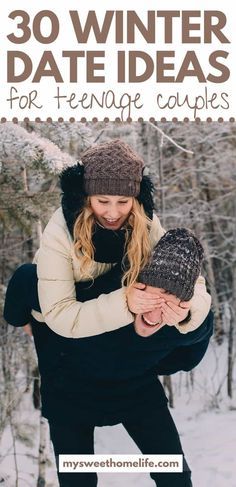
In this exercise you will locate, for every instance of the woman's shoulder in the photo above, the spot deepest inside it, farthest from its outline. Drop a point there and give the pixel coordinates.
(56, 230)
(57, 220)
(57, 217)
(157, 231)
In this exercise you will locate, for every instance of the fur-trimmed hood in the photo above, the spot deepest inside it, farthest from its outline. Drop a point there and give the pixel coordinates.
(73, 194)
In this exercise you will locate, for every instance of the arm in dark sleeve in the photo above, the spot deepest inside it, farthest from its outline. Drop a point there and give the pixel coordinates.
(21, 295)
(183, 358)
(22, 292)
(189, 356)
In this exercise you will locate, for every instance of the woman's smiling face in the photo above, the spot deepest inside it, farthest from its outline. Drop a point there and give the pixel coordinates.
(111, 211)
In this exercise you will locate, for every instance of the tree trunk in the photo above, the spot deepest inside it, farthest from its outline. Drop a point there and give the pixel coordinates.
(232, 323)
(230, 358)
(199, 228)
(41, 482)
(168, 385)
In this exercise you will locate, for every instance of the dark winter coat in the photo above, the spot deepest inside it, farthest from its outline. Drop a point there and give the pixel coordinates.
(109, 376)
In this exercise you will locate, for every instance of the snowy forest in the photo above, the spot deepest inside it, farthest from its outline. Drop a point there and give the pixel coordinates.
(193, 168)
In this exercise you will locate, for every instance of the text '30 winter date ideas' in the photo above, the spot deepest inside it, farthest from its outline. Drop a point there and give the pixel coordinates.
(118, 64)
(162, 66)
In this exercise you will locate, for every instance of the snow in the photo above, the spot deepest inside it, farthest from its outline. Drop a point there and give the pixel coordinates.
(27, 147)
(208, 440)
(204, 418)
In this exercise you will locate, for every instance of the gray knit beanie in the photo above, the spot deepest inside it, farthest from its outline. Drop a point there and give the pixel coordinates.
(175, 263)
(112, 168)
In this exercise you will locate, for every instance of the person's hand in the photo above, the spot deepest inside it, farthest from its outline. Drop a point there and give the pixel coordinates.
(141, 301)
(170, 312)
(173, 313)
(27, 329)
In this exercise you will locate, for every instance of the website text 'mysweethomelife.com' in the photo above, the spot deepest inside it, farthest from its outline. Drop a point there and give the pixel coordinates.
(120, 463)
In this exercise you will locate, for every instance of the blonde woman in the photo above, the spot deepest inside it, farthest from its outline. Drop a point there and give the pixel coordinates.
(106, 218)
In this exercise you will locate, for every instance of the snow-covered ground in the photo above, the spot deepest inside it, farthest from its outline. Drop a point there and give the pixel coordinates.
(209, 442)
(206, 423)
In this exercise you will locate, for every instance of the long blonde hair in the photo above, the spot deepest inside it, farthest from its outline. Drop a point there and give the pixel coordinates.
(137, 241)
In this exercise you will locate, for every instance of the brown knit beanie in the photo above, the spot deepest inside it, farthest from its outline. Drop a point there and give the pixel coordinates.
(112, 168)
(175, 264)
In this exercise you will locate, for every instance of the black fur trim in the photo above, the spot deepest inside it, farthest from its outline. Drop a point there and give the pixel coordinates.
(71, 177)
(146, 195)
(73, 196)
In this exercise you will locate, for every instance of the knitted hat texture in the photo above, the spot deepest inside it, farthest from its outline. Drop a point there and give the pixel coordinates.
(112, 168)
(175, 264)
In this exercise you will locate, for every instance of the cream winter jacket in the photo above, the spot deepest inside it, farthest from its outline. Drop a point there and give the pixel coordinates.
(58, 269)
